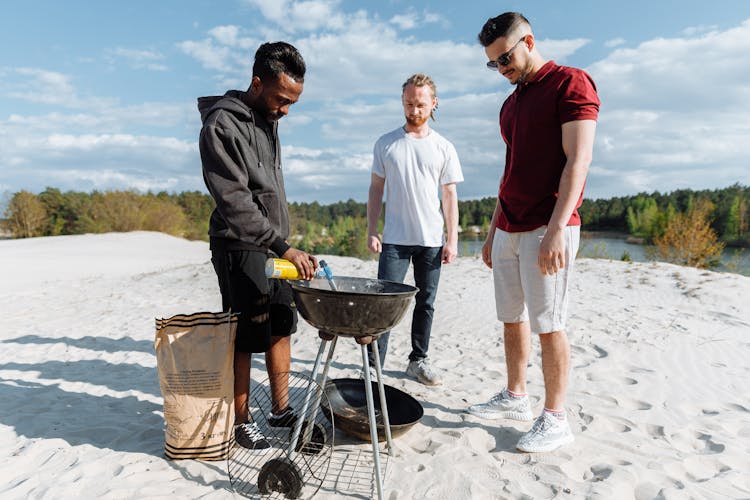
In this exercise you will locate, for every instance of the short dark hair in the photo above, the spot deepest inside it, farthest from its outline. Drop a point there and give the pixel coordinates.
(274, 58)
(501, 26)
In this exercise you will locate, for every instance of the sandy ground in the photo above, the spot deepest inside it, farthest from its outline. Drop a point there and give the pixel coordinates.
(656, 401)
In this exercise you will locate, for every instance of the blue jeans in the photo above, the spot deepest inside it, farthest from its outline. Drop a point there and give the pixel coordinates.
(393, 264)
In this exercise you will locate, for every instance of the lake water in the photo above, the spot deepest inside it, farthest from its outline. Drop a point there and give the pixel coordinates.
(615, 246)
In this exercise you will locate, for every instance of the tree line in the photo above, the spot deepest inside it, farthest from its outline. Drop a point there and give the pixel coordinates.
(700, 221)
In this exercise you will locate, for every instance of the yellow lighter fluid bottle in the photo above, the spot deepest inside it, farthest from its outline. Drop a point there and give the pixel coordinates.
(285, 270)
(281, 269)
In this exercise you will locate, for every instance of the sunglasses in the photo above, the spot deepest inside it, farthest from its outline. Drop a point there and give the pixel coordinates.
(504, 59)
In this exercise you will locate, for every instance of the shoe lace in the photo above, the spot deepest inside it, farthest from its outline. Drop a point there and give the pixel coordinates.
(541, 425)
(251, 431)
(497, 398)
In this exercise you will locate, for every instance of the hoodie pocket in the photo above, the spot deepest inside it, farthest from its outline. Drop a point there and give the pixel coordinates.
(268, 204)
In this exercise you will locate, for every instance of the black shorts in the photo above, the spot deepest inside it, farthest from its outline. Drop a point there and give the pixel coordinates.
(265, 306)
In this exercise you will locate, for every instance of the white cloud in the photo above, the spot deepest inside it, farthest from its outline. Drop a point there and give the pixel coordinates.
(225, 35)
(412, 19)
(295, 16)
(39, 85)
(114, 180)
(615, 42)
(46, 87)
(560, 50)
(140, 59)
(405, 21)
(210, 55)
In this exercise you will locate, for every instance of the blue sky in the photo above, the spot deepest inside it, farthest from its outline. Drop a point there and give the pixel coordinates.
(101, 95)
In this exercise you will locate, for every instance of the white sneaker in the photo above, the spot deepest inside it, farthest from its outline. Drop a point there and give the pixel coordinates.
(548, 433)
(421, 370)
(503, 405)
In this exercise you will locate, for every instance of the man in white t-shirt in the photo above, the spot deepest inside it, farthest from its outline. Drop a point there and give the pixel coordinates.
(413, 165)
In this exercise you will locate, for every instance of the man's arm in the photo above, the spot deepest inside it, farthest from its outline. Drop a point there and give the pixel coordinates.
(578, 145)
(374, 207)
(488, 241)
(450, 213)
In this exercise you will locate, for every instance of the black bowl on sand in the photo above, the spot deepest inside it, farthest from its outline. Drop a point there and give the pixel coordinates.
(349, 406)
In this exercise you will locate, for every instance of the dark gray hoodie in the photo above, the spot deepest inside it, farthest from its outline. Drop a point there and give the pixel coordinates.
(241, 160)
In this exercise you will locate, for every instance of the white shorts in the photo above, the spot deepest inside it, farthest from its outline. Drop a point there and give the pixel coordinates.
(522, 292)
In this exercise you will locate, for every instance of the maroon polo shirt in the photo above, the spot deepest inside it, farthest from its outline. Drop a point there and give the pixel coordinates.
(531, 125)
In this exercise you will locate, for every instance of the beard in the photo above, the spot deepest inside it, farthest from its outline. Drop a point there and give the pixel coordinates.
(523, 74)
(417, 121)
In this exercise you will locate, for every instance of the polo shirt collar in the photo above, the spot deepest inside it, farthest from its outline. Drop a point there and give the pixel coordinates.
(545, 70)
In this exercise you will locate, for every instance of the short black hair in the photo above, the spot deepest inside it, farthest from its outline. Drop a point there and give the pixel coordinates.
(501, 26)
(274, 58)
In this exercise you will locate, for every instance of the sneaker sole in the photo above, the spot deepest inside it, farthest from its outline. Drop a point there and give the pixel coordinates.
(511, 415)
(254, 451)
(543, 449)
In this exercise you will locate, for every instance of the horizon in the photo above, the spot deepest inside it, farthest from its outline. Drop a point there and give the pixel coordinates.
(106, 100)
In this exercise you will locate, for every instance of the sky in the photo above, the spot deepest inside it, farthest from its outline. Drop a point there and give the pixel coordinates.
(102, 95)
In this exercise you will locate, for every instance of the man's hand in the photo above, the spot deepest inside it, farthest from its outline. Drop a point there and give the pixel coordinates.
(450, 251)
(552, 251)
(373, 243)
(487, 248)
(303, 261)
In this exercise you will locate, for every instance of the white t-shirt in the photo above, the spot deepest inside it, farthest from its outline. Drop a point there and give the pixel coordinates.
(414, 169)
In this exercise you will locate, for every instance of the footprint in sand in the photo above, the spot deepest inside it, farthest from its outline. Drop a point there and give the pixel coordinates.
(619, 381)
(634, 404)
(598, 472)
(699, 442)
(655, 431)
(586, 418)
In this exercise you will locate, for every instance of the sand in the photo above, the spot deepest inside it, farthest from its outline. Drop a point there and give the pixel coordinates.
(658, 398)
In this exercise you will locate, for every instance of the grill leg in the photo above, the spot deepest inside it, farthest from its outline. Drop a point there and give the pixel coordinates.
(373, 422)
(383, 405)
(310, 388)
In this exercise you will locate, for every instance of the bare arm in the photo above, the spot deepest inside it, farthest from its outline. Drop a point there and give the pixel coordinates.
(578, 145)
(450, 213)
(487, 246)
(374, 207)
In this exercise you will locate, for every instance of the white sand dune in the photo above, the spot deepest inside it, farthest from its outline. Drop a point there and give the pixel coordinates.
(658, 398)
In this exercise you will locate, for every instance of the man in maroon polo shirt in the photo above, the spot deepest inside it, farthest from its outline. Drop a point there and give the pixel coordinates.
(548, 125)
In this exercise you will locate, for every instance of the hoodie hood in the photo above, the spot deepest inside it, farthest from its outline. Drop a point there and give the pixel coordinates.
(231, 102)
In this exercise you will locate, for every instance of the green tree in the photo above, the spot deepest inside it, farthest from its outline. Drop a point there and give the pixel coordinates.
(197, 207)
(642, 217)
(162, 214)
(736, 223)
(26, 215)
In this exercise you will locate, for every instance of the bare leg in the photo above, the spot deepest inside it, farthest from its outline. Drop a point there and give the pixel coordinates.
(241, 385)
(555, 366)
(279, 361)
(517, 340)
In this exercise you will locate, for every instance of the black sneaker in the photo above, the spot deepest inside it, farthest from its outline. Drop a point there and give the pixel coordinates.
(287, 418)
(248, 436)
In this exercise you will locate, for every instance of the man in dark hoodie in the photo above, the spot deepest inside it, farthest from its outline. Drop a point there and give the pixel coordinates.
(241, 159)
